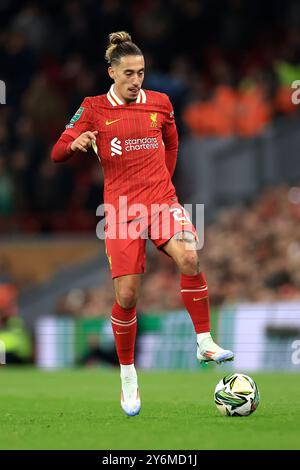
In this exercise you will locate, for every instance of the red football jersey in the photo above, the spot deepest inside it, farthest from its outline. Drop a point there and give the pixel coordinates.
(136, 145)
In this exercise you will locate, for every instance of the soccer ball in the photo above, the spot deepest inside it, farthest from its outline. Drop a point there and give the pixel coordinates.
(236, 395)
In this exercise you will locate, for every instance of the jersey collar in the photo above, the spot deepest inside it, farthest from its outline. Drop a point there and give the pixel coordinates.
(115, 100)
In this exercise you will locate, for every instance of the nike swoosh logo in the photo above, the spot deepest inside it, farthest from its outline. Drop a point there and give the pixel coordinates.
(122, 332)
(108, 123)
(195, 300)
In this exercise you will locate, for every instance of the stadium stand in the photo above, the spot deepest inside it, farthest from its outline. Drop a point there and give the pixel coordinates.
(36, 261)
(229, 78)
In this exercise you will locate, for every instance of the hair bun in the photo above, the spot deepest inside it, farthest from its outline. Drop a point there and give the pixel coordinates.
(119, 37)
(120, 45)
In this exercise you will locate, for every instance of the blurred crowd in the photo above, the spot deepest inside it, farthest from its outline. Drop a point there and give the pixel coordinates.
(227, 67)
(250, 254)
(253, 253)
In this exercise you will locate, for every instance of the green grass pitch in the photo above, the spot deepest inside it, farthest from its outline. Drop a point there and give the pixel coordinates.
(79, 409)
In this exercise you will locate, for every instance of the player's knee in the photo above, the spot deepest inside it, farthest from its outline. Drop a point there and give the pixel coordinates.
(127, 297)
(186, 255)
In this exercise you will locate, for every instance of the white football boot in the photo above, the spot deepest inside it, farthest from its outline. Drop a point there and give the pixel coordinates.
(130, 395)
(208, 350)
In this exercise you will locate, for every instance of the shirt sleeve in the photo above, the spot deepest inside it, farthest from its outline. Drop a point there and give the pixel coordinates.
(62, 149)
(170, 138)
(82, 121)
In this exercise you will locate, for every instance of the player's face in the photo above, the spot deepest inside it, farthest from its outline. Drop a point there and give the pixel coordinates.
(128, 76)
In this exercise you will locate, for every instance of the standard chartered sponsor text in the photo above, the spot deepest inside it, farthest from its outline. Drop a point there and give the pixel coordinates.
(145, 143)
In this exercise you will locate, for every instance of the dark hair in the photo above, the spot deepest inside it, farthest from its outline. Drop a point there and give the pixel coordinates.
(120, 45)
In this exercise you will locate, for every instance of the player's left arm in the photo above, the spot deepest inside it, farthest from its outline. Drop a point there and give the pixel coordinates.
(170, 137)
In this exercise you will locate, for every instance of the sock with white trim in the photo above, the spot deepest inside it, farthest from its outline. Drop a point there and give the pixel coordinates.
(123, 321)
(194, 294)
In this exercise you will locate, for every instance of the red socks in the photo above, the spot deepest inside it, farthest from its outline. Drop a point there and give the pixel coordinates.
(195, 298)
(123, 322)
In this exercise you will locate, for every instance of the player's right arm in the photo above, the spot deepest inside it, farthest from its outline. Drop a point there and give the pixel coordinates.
(78, 136)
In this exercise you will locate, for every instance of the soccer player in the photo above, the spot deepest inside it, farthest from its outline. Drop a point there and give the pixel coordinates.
(133, 132)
